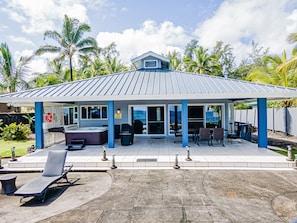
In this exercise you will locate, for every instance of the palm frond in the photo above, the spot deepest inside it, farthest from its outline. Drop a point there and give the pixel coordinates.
(53, 35)
(292, 38)
(47, 49)
(87, 42)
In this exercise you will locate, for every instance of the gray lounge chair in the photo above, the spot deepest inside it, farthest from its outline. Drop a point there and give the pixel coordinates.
(54, 170)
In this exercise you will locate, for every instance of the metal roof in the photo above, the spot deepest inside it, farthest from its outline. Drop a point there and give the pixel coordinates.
(151, 84)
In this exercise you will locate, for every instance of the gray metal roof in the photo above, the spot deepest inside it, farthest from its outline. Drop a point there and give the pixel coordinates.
(154, 84)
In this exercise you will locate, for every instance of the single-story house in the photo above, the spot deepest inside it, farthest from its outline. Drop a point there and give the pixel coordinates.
(163, 100)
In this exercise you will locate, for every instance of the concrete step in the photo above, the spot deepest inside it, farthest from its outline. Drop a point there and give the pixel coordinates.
(162, 162)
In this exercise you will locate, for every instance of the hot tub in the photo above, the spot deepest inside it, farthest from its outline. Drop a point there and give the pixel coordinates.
(92, 135)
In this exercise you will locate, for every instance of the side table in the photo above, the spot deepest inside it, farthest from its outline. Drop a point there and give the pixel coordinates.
(8, 184)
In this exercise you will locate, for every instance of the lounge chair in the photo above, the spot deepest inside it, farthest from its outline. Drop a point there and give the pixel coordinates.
(54, 170)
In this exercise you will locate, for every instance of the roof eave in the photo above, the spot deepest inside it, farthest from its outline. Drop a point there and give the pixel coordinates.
(210, 96)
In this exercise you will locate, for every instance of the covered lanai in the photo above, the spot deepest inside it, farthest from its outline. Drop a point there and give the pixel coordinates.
(162, 99)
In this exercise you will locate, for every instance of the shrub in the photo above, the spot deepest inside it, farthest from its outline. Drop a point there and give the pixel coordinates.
(16, 131)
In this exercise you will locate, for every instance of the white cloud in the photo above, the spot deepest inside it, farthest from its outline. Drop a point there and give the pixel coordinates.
(237, 22)
(39, 64)
(3, 27)
(39, 16)
(19, 39)
(160, 38)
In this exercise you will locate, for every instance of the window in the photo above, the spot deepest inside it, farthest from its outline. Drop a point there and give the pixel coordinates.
(150, 64)
(70, 115)
(93, 112)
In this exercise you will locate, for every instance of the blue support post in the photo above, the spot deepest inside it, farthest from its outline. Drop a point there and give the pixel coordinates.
(226, 119)
(262, 122)
(110, 124)
(185, 138)
(39, 137)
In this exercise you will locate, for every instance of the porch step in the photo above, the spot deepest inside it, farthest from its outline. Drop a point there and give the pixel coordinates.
(161, 162)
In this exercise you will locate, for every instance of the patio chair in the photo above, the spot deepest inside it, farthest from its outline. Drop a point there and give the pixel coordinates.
(218, 135)
(138, 127)
(203, 135)
(54, 170)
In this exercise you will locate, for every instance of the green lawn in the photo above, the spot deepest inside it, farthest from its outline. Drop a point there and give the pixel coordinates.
(285, 152)
(20, 147)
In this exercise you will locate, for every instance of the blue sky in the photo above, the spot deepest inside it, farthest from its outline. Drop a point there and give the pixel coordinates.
(137, 26)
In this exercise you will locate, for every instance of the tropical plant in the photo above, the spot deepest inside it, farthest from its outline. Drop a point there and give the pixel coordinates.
(175, 60)
(113, 65)
(291, 64)
(55, 75)
(31, 121)
(15, 131)
(13, 75)
(70, 41)
(193, 44)
(91, 67)
(271, 73)
(252, 62)
(225, 57)
(202, 62)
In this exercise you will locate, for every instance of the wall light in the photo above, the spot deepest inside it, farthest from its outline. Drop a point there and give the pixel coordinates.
(119, 111)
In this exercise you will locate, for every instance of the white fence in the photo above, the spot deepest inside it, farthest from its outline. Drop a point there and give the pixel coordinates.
(278, 119)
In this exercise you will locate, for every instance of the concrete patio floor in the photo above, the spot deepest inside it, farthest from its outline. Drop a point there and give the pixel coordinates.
(160, 153)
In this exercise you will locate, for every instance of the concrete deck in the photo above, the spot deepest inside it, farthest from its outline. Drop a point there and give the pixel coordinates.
(160, 154)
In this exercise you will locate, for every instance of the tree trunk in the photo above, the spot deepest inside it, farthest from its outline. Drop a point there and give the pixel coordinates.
(70, 64)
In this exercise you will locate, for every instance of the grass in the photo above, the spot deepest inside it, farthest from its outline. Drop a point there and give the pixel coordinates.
(285, 152)
(20, 147)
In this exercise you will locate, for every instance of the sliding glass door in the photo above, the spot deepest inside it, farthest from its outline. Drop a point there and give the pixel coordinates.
(151, 117)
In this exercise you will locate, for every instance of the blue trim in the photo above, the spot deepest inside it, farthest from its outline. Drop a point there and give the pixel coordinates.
(262, 122)
(39, 137)
(185, 138)
(110, 124)
(226, 119)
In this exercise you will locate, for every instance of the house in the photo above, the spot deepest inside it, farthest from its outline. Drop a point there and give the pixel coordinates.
(163, 100)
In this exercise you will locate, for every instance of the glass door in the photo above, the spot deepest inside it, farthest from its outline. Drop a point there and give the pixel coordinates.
(195, 117)
(139, 116)
(175, 124)
(155, 120)
(148, 120)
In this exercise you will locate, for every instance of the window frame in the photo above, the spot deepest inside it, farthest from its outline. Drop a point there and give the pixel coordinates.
(88, 112)
(145, 61)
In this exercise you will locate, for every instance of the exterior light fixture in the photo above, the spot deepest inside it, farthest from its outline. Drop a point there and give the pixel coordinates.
(119, 111)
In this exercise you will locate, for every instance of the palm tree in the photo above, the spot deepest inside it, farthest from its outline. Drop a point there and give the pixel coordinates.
(202, 62)
(70, 41)
(112, 65)
(271, 72)
(175, 60)
(91, 67)
(12, 75)
(292, 63)
(54, 75)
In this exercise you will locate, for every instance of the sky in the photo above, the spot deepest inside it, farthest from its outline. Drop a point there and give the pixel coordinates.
(138, 26)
